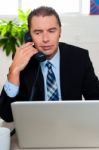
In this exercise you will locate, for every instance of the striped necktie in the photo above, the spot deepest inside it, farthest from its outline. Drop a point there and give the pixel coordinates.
(52, 90)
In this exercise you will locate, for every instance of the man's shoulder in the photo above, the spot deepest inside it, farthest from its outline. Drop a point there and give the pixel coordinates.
(68, 48)
(73, 53)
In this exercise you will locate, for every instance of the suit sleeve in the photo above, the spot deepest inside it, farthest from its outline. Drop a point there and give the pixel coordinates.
(5, 107)
(91, 82)
(5, 102)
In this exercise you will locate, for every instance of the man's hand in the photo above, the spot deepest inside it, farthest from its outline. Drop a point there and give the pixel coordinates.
(21, 59)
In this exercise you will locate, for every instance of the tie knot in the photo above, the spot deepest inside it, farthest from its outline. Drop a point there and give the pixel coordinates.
(49, 65)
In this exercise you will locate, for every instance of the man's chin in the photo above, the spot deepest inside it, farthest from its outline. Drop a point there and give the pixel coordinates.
(46, 53)
(49, 56)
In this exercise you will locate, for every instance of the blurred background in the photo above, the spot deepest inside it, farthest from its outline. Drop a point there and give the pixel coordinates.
(80, 23)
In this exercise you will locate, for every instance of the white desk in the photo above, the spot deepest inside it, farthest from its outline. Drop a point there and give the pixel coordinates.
(14, 143)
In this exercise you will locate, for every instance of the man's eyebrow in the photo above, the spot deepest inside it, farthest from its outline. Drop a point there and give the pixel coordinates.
(53, 28)
(37, 30)
(40, 30)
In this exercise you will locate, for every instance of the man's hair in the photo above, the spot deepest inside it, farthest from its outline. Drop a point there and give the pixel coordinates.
(43, 11)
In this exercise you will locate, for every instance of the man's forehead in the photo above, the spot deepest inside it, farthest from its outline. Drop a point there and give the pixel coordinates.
(44, 21)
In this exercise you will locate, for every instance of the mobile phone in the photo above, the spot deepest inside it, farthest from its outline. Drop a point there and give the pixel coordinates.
(39, 56)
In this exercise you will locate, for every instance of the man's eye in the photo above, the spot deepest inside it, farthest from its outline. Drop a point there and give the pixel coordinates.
(37, 33)
(52, 31)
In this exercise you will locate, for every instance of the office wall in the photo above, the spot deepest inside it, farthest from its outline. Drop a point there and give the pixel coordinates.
(81, 31)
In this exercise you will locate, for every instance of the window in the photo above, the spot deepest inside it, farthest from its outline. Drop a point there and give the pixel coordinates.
(10, 7)
(85, 7)
(62, 6)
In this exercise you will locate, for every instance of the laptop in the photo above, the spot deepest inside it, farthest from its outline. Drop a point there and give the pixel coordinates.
(58, 124)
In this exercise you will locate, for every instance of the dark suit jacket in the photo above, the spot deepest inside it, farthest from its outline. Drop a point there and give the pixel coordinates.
(77, 78)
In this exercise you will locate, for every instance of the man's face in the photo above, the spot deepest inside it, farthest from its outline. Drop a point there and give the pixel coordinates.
(45, 32)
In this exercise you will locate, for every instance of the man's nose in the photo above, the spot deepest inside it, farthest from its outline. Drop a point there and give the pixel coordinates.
(45, 37)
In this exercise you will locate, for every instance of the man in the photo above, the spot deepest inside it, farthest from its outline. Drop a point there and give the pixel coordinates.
(73, 70)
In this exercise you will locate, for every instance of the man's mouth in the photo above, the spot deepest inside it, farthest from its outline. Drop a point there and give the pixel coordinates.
(46, 47)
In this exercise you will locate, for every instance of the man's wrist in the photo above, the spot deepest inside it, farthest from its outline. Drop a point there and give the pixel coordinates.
(13, 76)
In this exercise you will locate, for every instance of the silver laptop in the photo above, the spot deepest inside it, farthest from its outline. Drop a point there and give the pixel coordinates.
(59, 124)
